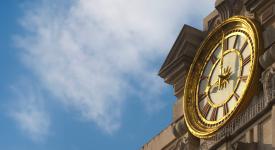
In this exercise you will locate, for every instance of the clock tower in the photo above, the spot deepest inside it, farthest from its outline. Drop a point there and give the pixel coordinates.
(224, 81)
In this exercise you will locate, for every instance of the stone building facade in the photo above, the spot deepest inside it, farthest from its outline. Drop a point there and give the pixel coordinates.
(254, 127)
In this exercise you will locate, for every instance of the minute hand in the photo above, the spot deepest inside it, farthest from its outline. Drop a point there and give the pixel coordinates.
(221, 64)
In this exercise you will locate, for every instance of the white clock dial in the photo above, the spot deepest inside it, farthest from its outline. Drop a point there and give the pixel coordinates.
(224, 76)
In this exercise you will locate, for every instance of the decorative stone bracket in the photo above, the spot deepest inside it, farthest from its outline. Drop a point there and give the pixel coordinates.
(268, 58)
(228, 8)
(185, 142)
(268, 80)
(180, 128)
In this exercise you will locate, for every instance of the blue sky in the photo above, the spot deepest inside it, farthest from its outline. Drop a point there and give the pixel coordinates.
(82, 74)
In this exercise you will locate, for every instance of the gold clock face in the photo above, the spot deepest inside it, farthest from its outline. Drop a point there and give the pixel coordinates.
(221, 78)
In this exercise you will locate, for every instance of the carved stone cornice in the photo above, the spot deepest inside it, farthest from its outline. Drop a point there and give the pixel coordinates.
(184, 49)
(180, 58)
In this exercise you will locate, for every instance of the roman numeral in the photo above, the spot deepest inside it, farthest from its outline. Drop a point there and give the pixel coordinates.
(236, 95)
(244, 46)
(225, 109)
(205, 109)
(246, 60)
(243, 78)
(214, 114)
(202, 96)
(225, 44)
(213, 59)
(235, 42)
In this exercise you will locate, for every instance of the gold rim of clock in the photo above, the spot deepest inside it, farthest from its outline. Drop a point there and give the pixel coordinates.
(196, 123)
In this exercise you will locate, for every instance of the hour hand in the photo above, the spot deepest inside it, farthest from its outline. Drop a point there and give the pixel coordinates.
(226, 73)
(224, 77)
(214, 87)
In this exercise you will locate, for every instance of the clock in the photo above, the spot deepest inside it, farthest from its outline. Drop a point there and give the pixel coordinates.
(223, 76)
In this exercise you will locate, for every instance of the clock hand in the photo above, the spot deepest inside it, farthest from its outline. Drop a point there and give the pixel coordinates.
(224, 78)
(221, 64)
(222, 81)
(213, 88)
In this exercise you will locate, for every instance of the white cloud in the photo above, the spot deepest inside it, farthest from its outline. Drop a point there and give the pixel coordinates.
(96, 54)
(28, 112)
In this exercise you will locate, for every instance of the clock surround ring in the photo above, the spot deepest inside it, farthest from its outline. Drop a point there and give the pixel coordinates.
(195, 125)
